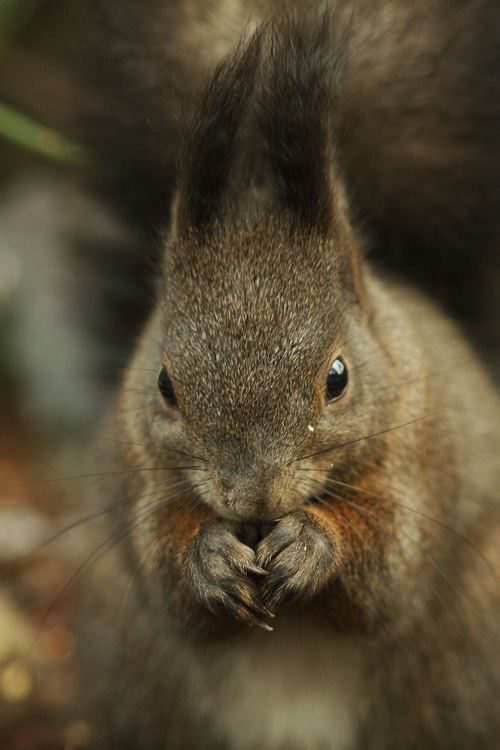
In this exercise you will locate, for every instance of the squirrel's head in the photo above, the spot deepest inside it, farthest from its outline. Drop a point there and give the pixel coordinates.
(259, 356)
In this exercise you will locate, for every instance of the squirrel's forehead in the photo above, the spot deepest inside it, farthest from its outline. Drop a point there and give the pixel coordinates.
(265, 253)
(245, 334)
(256, 288)
(250, 307)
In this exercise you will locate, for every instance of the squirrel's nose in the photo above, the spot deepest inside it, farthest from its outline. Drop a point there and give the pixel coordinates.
(251, 495)
(239, 490)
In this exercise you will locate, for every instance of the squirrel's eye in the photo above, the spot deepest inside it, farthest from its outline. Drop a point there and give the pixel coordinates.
(166, 387)
(336, 381)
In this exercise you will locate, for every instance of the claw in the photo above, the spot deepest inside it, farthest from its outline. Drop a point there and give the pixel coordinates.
(252, 568)
(265, 626)
(268, 611)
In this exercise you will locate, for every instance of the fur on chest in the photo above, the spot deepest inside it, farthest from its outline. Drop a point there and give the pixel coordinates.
(297, 687)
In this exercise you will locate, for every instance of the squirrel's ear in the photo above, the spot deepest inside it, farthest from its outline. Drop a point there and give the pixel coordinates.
(295, 103)
(209, 138)
(284, 80)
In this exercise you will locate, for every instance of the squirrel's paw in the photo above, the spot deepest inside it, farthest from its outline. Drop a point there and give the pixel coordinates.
(217, 566)
(300, 556)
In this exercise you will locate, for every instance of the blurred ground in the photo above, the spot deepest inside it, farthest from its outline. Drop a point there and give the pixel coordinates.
(38, 702)
(39, 408)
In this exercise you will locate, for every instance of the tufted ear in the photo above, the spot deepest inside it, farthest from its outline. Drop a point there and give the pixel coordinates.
(209, 139)
(295, 103)
(283, 84)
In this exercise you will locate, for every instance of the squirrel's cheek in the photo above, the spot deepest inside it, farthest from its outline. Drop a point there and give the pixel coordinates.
(164, 520)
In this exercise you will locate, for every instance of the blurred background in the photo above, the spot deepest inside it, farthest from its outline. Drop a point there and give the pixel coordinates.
(47, 399)
(52, 384)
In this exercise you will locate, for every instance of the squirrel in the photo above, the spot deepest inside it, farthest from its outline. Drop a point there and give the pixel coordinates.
(417, 114)
(298, 520)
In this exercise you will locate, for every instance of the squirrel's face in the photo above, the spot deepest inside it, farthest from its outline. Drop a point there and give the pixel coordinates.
(257, 363)
(263, 357)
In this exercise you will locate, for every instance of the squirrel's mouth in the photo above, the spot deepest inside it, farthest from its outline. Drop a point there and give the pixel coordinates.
(253, 533)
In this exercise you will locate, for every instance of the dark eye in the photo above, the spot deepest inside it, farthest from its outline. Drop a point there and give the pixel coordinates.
(166, 387)
(336, 381)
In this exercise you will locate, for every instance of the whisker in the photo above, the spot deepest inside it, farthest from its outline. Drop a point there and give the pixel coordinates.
(127, 369)
(395, 386)
(152, 468)
(102, 475)
(367, 333)
(374, 554)
(343, 498)
(146, 445)
(375, 606)
(145, 391)
(117, 532)
(190, 506)
(438, 522)
(367, 437)
(124, 500)
(351, 526)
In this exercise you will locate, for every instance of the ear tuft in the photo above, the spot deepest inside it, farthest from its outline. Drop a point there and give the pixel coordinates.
(295, 110)
(284, 82)
(209, 140)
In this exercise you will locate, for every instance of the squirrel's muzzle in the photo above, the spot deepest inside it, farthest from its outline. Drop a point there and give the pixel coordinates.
(255, 494)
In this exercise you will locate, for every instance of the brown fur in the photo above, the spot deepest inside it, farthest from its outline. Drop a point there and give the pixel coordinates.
(370, 524)
(417, 117)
